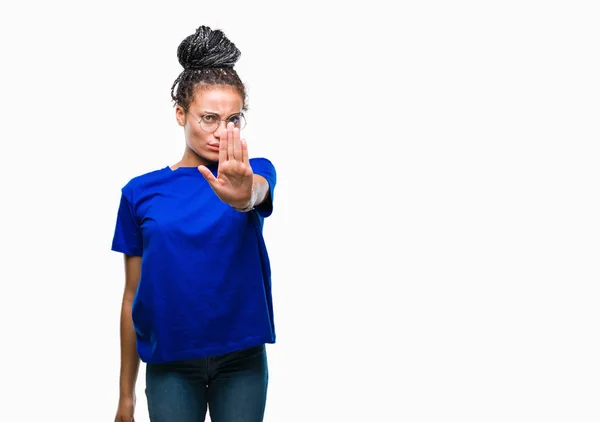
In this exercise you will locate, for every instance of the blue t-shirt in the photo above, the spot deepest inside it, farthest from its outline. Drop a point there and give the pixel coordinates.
(205, 286)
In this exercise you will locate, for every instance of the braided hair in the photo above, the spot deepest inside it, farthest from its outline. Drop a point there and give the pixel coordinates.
(208, 58)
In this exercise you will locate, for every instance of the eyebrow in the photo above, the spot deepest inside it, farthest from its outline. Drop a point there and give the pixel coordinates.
(217, 114)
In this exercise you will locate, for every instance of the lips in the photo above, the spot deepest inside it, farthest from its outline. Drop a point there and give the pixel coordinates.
(214, 147)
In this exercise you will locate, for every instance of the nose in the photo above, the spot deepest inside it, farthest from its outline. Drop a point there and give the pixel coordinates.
(222, 126)
(221, 129)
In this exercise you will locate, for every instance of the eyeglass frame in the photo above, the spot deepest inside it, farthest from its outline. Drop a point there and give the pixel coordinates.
(198, 120)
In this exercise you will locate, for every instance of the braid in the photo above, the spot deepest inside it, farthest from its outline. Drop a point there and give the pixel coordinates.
(208, 58)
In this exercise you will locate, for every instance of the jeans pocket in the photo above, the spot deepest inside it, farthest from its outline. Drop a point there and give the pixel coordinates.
(247, 354)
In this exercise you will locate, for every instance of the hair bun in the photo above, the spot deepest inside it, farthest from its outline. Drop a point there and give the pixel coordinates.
(207, 48)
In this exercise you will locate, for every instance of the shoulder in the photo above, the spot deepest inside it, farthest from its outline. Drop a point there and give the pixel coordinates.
(259, 164)
(260, 161)
(142, 181)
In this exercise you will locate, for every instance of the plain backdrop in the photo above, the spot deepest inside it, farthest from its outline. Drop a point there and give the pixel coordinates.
(434, 244)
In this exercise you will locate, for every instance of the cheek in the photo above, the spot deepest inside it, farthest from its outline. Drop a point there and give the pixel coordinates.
(196, 135)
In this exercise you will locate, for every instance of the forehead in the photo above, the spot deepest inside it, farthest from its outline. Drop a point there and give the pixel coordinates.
(221, 99)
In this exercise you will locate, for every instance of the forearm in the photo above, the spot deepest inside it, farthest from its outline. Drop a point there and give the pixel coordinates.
(261, 186)
(130, 360)
(259, 194)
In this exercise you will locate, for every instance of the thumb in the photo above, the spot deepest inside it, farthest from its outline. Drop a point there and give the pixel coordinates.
(210, 178)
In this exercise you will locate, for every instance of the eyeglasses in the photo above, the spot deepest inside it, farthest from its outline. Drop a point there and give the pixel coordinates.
(211, 122)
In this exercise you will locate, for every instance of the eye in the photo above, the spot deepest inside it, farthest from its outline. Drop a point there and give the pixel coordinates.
(235, 120)
(210, 118)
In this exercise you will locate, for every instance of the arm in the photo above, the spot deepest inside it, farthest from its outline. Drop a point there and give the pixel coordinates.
(236, 184)
(260, 193)
(130, 361)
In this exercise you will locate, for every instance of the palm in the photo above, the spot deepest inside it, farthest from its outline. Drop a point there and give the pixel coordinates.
(233, 184)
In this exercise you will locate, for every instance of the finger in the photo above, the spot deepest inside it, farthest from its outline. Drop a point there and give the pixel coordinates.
(245, 158)
(223, 147)
(237, 145)
(230, 141)
(210, 178)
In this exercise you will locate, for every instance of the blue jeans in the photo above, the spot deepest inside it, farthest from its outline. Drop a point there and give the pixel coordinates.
(233, 387)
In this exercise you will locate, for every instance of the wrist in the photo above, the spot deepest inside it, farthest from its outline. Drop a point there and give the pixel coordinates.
(127, 392)
(248, 206)
(126, 397)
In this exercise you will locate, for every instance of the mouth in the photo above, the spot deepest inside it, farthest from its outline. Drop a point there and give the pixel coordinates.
(213, 147)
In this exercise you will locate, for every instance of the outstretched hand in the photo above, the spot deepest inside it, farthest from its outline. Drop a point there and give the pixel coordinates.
(233, 184)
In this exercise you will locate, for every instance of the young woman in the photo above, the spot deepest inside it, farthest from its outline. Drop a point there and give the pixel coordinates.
(197, 304)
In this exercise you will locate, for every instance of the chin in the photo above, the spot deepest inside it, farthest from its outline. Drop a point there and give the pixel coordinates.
(206, 155)
(210, 156)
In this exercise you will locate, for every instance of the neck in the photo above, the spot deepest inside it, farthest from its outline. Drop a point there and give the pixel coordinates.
(191, 159)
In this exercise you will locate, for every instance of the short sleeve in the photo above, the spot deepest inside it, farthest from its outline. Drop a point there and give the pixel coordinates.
(127, 237)
(265, 168)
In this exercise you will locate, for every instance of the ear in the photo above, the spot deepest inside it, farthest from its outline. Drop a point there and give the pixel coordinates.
(180, 115)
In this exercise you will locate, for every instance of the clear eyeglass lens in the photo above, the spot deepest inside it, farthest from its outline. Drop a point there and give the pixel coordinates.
(210, 122)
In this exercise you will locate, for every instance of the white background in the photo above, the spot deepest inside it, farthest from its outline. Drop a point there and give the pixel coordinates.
(436, 230)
